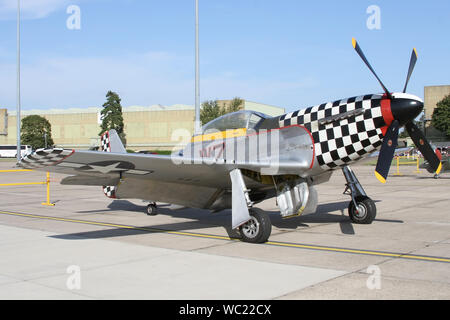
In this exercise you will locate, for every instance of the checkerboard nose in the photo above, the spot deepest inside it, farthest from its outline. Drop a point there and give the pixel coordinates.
(406, 109)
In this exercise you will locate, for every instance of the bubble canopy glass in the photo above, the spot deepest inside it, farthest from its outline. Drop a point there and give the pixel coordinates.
(236, 120)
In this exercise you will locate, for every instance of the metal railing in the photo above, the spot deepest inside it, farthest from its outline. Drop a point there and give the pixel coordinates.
(414, 160)
(46, 182)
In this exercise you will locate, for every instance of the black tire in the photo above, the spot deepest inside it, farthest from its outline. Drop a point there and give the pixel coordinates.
(367, 210)
(152, 209)
(258, 229)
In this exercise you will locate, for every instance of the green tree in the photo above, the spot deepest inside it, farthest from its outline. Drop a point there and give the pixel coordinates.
(441, 116)
(111, 115)
(211, 109)
(35, 131)
(235, 105)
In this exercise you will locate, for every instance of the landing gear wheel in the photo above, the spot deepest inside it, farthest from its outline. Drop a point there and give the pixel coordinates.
(436, 176)
(365, 210)
(258, 229)
(152, 209)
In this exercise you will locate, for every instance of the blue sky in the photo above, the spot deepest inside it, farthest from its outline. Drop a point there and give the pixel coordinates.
(288, 53)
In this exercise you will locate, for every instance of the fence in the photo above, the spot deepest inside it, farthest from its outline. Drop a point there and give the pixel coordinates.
(415, 161)
(46, 182)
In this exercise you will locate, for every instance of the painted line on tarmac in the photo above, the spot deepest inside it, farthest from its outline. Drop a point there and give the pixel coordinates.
(121, 226)
(210, 236)
(359, 251)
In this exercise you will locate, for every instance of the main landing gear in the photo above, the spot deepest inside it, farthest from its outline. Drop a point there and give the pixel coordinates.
(152, 209)
(362, 209)
(254, 224)
(258, 228)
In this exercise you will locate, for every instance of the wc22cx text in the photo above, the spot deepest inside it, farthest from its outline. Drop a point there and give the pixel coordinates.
(227, 309)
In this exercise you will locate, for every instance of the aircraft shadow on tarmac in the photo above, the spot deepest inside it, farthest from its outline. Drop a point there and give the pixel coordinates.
(203, 219)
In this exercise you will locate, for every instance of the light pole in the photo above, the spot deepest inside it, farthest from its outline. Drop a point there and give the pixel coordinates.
(197, 75)
(19, 153)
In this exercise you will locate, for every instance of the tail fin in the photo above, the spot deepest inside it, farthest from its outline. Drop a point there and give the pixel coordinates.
(110, 142)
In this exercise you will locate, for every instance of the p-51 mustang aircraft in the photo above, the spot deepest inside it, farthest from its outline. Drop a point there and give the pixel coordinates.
(245, 157)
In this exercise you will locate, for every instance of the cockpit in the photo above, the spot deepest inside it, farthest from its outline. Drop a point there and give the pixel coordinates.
(244, 119)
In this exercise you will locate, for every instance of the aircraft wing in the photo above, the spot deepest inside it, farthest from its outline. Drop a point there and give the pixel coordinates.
(397, 152)
(104, 168)
(135, 176)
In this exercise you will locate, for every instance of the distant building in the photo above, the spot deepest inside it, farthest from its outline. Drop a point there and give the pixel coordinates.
(255, 106)
(146, 128)
(432, 95)
(3, 122)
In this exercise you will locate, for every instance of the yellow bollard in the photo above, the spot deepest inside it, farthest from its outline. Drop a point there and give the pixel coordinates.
(417, 168)
(48, 203)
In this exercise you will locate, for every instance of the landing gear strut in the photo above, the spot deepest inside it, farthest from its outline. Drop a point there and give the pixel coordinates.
(362, 209)
(253, 224)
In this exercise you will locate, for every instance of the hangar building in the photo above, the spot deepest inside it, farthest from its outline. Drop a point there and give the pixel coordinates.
(146, 128)
(432, 95)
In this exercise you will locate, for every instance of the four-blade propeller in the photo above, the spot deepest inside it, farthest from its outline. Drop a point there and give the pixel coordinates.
(403, 109)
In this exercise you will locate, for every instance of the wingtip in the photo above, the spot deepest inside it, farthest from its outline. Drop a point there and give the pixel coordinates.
(380, 177)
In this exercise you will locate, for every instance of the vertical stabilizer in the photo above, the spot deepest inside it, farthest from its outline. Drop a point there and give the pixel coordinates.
(110, 142)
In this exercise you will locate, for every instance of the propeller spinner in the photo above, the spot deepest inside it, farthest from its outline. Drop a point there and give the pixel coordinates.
(400, 109)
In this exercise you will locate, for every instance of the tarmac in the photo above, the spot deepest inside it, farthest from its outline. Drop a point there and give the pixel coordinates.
(90, 247)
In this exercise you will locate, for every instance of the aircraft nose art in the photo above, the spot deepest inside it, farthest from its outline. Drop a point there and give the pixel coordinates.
(343, 131)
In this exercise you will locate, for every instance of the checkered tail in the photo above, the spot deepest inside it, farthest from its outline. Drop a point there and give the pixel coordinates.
(109, 191)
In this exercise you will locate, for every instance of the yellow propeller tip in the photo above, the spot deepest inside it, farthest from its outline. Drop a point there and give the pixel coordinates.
(415, 51)
(354, 43)
(439, 168)
(380, 177)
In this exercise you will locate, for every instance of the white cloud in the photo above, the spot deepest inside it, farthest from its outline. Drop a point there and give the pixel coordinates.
(32, 9)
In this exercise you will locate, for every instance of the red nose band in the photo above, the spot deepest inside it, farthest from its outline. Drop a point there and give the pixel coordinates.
(387, 114)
